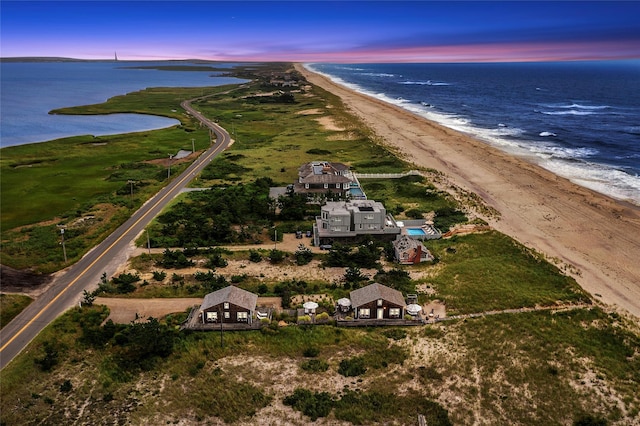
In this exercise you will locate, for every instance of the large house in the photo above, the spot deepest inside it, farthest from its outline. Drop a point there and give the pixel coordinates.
(410, 251)
(378, 302)
(228, 305)
(320, 177)
(349, 220)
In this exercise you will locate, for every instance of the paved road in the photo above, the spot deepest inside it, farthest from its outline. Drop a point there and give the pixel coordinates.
(66, 291)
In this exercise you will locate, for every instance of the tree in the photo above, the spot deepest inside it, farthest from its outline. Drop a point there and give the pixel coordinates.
(88, 297)
(303, 255)
(276, 256)
(353, 275)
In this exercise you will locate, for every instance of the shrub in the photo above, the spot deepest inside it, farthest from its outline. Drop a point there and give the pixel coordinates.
(159, 275)
(352, 367)
(315, 365)
(124, 283)
(66, 386)
(311, 352)
(303, 255)
(322, 316)
(304, 319)
(312, 404)
(255, 256)
(49, 359)
(395, 333)
(276, 256)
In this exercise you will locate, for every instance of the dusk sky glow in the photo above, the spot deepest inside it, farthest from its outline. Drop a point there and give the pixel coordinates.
(324, 31)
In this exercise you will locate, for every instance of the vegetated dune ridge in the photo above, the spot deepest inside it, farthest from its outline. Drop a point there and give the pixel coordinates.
(595, 234)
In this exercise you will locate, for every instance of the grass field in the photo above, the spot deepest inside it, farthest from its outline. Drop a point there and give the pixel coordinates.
(11, 305)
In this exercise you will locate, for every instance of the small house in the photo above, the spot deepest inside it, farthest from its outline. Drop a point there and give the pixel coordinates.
(229, 305)
(410, 251)
(377, 301)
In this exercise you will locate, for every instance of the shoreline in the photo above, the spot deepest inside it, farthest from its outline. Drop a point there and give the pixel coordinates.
(595, 234)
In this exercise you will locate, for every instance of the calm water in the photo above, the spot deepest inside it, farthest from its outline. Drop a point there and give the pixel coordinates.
(580, 120)
(29, 90)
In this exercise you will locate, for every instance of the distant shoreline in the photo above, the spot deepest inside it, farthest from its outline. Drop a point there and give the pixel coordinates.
(594, 234)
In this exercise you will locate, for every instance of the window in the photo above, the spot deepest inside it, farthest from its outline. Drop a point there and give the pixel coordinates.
(364, 312)
(338, 185)
(368, 217)
(394, 312)
(379, 302)
(226, 305)
(306, 186)
(242, 316)
(227, 315)
(326, 185)
(212, 316)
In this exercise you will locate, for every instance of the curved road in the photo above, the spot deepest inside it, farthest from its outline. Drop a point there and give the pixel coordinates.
(67, 288)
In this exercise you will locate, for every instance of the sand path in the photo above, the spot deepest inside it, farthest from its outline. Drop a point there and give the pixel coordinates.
(597, 235)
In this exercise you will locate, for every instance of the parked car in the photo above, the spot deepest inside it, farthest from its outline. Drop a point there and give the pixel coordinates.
(298, 234)
(325, 247)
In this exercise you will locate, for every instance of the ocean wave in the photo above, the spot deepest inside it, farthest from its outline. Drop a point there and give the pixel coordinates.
(378, 74)
(600, 178)
(575, 106)
(425, 83)
(547, 134)
(555, 151)
(569, 112)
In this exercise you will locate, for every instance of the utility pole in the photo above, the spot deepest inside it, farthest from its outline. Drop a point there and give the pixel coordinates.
(64, 250)
(130, 182)
(193, 145)
(148, 242)
(169, 167)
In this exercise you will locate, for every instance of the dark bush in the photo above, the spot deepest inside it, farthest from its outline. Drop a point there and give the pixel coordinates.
(312, 404)
(352, 367)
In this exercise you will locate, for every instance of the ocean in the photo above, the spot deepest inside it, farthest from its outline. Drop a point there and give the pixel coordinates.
(579, 120)
(29, 90)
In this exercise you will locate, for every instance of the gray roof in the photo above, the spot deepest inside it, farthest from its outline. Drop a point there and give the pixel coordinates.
(407, 243)
(322, 172)
(376, 291)
(232, 294)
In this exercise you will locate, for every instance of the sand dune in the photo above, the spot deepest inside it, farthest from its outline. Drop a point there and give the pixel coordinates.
(596, 235)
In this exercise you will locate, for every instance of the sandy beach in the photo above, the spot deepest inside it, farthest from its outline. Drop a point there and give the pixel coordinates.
(597, 236)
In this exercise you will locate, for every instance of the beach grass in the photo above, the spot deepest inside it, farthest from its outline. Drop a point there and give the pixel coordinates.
(540, 367)
(11, 305)
(490, 271)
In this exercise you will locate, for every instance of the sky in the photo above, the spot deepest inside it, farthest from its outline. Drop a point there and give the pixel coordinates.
(322, 31)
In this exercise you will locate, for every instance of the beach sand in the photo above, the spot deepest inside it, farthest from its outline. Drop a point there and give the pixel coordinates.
(597, 236)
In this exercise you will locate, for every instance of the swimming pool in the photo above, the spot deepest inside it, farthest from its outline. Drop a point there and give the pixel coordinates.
(416, 231)
(356, 193)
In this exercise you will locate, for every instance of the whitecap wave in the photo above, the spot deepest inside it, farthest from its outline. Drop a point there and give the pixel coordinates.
(606, 180)
(575, 106)
(425, 83)
(569, 112)
(378, 74)
(547, 134)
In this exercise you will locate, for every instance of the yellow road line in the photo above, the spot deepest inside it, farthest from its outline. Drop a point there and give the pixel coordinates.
(32, 320)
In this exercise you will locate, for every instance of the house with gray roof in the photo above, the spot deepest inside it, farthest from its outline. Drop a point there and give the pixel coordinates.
(377, 301)
(409, 251)
(320, 177)
(345, 221)
(228, 305)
